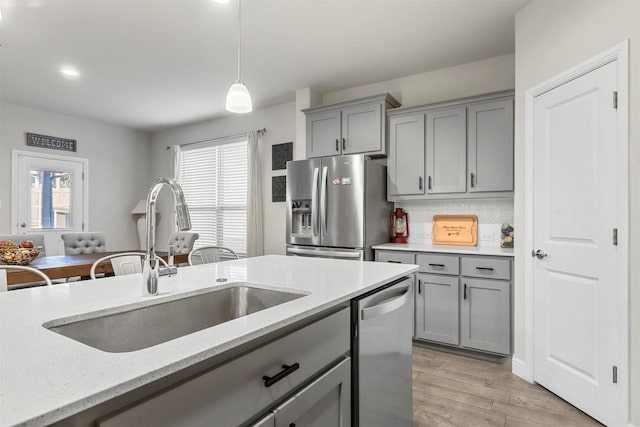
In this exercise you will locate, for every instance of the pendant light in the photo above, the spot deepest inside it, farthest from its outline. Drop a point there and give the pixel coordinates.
(238, 97)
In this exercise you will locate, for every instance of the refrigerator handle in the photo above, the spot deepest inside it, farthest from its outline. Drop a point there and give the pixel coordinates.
(314, 203)
(323, 202)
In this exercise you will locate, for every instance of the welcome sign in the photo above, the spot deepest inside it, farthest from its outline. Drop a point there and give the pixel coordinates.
(52, 142)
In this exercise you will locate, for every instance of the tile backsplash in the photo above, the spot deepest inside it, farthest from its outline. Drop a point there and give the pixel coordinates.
(491, 214)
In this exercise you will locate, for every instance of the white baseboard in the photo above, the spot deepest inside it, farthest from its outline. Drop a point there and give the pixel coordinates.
(631, 425)
(519, 368)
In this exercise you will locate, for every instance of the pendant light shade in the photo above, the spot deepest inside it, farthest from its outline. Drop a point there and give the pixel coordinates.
(238, 97)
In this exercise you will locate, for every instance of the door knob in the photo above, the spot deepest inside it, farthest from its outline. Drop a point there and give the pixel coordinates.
(538, 253)
(23, 225)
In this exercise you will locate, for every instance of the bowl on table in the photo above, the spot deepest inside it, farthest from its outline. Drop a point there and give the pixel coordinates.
(19, 256)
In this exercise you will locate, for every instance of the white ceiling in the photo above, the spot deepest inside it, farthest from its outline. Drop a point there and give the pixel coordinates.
(152, 64)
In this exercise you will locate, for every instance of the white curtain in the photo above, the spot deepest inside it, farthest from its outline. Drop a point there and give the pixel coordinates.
(255, 243)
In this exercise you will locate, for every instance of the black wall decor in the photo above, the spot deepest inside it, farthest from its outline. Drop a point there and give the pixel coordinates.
(279, 188)
(280, 155)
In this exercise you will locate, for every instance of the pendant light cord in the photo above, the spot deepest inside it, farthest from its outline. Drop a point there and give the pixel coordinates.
(239, 38)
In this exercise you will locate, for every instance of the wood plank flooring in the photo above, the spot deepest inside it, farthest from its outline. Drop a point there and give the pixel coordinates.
(452, 390)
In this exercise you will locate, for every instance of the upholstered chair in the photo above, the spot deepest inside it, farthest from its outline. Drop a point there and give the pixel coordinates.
(183, 242)
(84, 243)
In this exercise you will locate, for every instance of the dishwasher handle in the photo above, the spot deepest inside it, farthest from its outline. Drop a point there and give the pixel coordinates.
(386, 306)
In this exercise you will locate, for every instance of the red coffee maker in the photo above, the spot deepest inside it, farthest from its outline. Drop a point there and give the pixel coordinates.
(399, 226)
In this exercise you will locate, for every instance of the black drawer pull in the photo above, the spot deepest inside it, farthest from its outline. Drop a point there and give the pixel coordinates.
(395, 262)
(287, 369)
(419, 286)
(465, 291)
(436, 265)
(484, 268)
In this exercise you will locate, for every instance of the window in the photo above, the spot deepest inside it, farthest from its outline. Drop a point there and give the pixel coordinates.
(214, 180)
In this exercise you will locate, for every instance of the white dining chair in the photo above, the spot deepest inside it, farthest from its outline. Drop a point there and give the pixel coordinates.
(3, 274)
(210, 254)
(123, 263)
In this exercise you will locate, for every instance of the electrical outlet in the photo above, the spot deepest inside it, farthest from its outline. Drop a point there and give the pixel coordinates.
(425, 235)
(487, 236)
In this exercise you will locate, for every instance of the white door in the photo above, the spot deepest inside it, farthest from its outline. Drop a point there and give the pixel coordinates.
(575, 284)
(49, 196)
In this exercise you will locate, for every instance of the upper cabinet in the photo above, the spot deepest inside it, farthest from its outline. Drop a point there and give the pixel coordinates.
(348, 127)
(452, 150)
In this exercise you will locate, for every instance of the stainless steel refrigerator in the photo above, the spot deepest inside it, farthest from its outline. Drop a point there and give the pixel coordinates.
(337, 207)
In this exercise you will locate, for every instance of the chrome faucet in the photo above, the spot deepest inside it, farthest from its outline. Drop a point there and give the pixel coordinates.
(151, 267)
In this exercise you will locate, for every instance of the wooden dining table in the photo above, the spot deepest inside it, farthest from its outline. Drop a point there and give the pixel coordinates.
(65, 266)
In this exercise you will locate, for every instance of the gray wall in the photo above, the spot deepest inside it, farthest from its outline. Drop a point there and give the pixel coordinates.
(119, 166)
(552, 36)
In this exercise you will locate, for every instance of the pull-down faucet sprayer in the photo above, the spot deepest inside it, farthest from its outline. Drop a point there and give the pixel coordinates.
(150, 270)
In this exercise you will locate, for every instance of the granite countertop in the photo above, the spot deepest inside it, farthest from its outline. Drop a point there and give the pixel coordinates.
(46, 377)
(449, 249)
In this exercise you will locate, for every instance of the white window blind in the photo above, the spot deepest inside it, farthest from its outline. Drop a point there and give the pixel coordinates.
(214, 181)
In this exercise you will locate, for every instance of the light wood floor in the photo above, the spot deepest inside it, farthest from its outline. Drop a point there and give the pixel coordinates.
(452, 390)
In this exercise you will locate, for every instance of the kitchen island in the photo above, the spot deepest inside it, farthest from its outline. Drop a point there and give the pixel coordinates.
(46, 377)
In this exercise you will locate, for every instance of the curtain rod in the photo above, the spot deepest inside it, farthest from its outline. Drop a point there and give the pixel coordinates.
(261, 131)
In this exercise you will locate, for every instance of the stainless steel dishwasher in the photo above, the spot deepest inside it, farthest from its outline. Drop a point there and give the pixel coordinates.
(382, 325)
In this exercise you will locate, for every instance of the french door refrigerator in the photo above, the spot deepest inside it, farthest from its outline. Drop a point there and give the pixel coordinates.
(337, 207)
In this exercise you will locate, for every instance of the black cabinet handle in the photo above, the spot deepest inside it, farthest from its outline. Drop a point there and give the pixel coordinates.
(395, 262)
(420, 183)
(419, 286)
(429, 180)
(287, 370)
(292, 425)
(344, 144)
(465, 291)
(337, 144)
(436, 265)
(472, 178)
(484, 268)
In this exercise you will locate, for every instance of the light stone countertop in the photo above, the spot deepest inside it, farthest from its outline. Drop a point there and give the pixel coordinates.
(448, 249)
(46, 377)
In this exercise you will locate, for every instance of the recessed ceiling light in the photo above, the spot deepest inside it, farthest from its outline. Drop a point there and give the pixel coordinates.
(69, 71)
(221, 1)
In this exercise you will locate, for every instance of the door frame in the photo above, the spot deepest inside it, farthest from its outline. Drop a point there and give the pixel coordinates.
(526, 368)
(15, 154)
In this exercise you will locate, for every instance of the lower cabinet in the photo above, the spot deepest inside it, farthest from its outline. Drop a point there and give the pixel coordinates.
(461, 300)
(437, 314)
(250, 386)
(324, 402)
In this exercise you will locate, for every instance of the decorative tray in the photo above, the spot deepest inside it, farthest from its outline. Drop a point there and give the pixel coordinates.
(455, 230)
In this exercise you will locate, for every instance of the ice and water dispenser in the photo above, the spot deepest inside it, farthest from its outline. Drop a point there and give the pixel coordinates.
(301, 217)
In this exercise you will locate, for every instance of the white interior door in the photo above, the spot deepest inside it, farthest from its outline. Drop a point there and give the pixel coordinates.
(575, 274)
(49, 196)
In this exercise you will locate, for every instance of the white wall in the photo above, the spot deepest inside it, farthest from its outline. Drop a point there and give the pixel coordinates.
(279, 120)
(118, 166)
(552, 36)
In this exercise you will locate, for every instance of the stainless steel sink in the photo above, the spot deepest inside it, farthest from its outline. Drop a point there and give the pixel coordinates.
(136, 328)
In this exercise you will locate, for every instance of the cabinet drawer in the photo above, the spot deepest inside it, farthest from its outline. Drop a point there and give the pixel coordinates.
(395, 256)
(495, 268)
(235, 392)
(439, 264)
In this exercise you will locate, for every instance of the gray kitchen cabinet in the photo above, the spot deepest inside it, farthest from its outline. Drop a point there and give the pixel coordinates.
(357, 126)
(464, 149)
(437, 311)
(446, 142)
(462, 301)
(485, 315)
(324, 402)
(245, 387)
(405, 166)
(490, 146)
(323, 134)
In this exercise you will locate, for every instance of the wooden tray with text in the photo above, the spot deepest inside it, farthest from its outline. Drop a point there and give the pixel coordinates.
(455, 230)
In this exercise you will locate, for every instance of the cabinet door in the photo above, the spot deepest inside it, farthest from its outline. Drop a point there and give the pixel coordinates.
(405, 165)
(323, 134)
(490, 133)
(362, 129)
(324, 402)
(447, 151)
(486, 315)
(437, 308)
